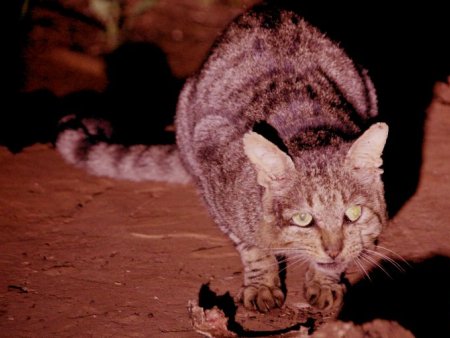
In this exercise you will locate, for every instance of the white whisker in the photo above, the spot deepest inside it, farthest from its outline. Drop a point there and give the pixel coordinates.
(278, 262)
(369, 259)
(396, 254)
(356, 260)
(281, 261)
(301, 260)
(286, 249)
(387, 258)
(289, 256)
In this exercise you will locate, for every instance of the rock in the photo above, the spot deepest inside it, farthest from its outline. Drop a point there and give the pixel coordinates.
(376, 329)
(210, 323)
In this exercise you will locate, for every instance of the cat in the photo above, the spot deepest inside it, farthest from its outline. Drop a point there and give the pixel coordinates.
(306, 186)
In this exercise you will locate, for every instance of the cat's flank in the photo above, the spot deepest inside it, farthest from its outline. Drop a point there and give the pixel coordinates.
(315, 195)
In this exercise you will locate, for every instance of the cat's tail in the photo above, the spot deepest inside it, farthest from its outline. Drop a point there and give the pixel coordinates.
(84, 143)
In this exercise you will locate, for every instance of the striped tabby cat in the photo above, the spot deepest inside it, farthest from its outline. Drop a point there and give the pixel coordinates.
(320, 200)
(310, 189)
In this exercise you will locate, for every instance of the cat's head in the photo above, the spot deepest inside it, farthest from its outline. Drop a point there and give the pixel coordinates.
(325, 206)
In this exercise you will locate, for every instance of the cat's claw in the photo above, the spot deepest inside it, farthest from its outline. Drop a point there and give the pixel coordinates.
(262, 298)
(325, 296)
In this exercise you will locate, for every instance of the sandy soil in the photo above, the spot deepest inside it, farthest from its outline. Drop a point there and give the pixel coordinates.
(87, 256)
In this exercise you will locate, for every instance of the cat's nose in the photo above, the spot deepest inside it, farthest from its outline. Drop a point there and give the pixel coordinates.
(332, 243)
(333, 252)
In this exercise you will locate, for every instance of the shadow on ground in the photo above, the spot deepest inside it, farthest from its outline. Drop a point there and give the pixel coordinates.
(208, 299)
(418, 298)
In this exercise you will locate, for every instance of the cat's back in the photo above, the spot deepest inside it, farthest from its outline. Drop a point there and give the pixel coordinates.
(268, 50)
(271, 65)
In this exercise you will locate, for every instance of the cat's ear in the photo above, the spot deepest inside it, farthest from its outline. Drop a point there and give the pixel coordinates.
(367, 149)
(270, 162)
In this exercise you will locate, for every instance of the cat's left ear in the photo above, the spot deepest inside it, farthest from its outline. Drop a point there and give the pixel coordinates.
(270, 162)
(367, 149)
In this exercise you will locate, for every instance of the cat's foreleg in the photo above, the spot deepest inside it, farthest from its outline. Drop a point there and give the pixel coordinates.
(262, 286)
(323, 290)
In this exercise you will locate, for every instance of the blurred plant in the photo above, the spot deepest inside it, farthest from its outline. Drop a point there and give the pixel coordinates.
(230, 3)
(117, 18)
(24, 8)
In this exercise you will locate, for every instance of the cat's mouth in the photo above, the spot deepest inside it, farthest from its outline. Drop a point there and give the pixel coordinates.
(329, 266)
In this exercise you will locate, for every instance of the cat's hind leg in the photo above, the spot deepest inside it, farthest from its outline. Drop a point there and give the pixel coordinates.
(262, 285)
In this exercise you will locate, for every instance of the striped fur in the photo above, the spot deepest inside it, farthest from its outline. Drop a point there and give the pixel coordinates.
(272, 67)
(85, 144)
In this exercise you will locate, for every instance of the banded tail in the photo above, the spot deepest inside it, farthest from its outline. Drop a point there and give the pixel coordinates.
(84, 143)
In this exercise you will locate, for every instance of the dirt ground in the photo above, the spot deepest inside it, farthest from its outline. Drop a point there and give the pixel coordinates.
(83, 256)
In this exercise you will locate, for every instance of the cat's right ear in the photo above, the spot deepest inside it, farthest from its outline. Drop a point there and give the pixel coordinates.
(270, 162)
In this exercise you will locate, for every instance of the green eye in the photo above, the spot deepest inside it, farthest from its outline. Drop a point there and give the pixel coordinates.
(302, 219)
(353, 213)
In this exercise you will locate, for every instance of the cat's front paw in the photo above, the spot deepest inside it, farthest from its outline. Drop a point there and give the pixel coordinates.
(261, 297)
(324, 296)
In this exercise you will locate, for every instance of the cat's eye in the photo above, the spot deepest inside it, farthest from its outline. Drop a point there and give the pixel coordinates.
(353, 213)
(302, 219)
